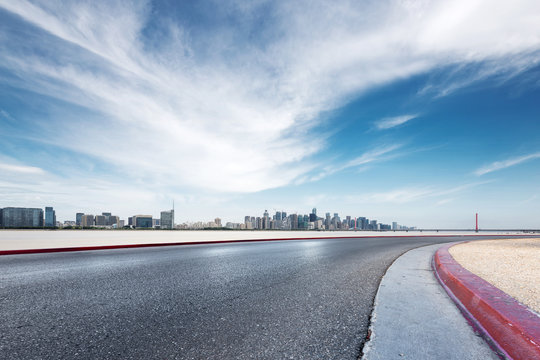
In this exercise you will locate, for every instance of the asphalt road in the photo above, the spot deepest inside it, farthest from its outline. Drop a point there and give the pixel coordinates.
(307, 299)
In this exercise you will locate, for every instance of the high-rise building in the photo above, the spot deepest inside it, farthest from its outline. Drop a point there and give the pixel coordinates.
(327, 221)
(313, 215)
(303, 221)
(266, 220)
(248, 223)
(218, 222)
(22, 217)
(167, 219)
(336, 222)
(78, 219)
(100, 220)
(113, 220)
(107, 216)
(50, 217)
(348, 222)
(87, 221)
(142, 221)
(294, 221)
(361, 223)
(394, 225)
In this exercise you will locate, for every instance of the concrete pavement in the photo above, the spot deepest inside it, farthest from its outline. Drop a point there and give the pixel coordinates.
(413, 317)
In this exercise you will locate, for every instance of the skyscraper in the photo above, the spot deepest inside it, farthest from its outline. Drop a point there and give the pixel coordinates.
(313, 215)
(100, 220)
(22, 217)
(327, 221)
(113, 220)
(167, 219)
(78, 219)
(50, 217)
(142, 221)
(361, 223)
(294, 221)
(87, 220)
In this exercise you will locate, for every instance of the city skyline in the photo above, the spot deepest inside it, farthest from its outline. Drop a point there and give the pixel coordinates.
(426, 112)
(19, 217)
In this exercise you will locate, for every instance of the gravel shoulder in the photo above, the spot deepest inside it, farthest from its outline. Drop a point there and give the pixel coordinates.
(512, 265)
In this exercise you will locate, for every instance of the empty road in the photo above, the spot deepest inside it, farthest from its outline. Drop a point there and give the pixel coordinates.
(307, 299)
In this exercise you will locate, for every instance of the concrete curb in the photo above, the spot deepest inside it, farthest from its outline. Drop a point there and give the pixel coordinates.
(128, 246)
(507, 325)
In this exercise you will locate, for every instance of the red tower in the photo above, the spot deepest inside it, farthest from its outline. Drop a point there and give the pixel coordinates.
(476, 222)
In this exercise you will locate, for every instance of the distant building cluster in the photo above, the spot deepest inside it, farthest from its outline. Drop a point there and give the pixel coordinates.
(105, 220)
(166, 221)
(283, 221)
(15, 217)
(201, 225)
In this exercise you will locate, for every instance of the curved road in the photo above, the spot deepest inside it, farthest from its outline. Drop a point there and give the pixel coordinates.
(306, 299)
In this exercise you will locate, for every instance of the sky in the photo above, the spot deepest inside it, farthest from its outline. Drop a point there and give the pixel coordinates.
(420, 112)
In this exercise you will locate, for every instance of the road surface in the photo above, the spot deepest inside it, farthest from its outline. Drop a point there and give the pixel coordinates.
(305, 299)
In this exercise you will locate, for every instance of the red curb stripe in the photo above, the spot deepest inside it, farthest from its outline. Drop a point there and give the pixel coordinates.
(511, 326)
(127, 246)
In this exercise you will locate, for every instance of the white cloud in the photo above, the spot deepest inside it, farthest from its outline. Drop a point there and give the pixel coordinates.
(412, 194)
(238, 116)
(500, 165)
(21, 169)
(378, 154)
(390, 122)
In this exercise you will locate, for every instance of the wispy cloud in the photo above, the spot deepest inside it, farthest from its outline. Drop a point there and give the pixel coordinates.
(444, 201)
(500, 165)
(390, 122)
(412, 194)
(378, 154)
(210, 109)
(21, 169)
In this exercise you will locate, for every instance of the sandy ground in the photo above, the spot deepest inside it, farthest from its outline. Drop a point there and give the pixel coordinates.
(39, 239)
(511, 265)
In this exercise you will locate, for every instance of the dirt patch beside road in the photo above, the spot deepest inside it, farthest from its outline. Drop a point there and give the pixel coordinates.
(511, 265)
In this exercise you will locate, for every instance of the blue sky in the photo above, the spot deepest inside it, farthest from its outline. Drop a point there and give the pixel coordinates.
(420, 112)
